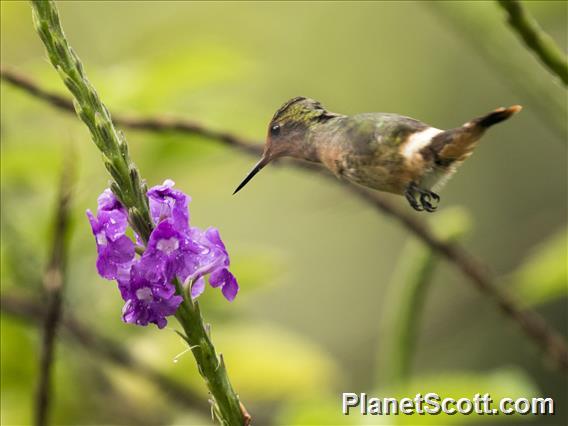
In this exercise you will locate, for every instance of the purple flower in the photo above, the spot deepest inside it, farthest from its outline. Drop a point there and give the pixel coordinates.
(213, 259)
(188, 257)
(166, 252)
(227, 281)
(175, 250)
(108, 201)
(148, 302)
(168, 203)
(209, 254)
(115, 250)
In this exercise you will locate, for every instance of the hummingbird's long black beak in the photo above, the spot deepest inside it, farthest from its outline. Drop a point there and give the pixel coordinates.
(257, 168)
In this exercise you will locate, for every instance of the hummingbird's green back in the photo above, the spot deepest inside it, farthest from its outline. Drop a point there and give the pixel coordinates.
(366, 148)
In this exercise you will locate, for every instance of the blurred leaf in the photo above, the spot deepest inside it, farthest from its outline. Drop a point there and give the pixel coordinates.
(160, 78)
(21, 253)
(274, 363)
(316, 412)
(505, 382)
(18, 365)
(451, 223)
(146, 401)
(187, 419)
(265, 363)
(501, 383)
(135, 386)
(543, 276)
(255, 269)
(18, 162)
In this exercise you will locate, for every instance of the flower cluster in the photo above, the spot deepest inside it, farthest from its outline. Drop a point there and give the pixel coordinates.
(175, 250)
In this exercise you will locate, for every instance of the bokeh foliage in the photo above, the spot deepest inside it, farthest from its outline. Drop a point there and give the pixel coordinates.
(315, 265)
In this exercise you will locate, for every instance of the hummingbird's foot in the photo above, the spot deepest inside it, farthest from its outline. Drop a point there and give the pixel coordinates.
(425, 196)
(425, 200)
(410, 195)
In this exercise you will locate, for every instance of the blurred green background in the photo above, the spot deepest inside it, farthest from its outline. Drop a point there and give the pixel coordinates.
(318, 268)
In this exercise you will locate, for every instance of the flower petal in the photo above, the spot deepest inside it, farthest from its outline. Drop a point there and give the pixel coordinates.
(108, 201)
(218, 278)
(121, 250)
(197, 287)
(170, 204)
(230, 288)
(106, 268)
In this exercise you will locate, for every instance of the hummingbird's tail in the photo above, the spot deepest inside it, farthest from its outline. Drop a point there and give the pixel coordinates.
(453, 146)
(494, 117)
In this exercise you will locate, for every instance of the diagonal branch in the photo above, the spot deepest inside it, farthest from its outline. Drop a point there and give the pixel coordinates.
(33, 311)
(156, 124)
(53, 285)
(536, 39)
(532, 324)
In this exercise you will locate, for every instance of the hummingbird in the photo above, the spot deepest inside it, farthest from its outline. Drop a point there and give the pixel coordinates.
(382, 151)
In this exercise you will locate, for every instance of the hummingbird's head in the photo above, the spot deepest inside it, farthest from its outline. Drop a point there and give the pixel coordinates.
(288, 131)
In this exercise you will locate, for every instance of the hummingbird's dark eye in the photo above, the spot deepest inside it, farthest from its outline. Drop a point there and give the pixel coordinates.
(275, 129)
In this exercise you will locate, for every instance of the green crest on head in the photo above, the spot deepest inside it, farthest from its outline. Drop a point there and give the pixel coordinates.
(301, 110)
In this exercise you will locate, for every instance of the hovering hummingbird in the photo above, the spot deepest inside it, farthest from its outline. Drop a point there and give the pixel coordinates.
(387, 152)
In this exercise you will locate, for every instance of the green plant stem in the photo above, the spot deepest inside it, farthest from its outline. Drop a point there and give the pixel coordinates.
(536, 39)
(410, 301)
(211, 366)
(131, 191)
(410, 288)
(126, 184)
(53, 285)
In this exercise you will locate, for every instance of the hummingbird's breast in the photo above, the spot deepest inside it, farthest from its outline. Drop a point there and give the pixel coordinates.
(377, 150)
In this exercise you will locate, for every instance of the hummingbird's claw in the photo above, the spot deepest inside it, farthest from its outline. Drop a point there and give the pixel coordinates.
(426, 198)
(410, 196)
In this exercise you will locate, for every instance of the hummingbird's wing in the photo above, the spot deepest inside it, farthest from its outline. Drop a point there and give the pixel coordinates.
(380, 133)
(368, 149)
